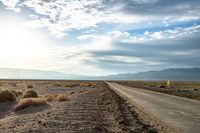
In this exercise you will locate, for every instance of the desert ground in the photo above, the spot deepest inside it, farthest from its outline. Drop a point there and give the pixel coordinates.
(185, 89)
(69, 106)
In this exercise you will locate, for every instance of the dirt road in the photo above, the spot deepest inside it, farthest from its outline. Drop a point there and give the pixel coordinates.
(178, 112)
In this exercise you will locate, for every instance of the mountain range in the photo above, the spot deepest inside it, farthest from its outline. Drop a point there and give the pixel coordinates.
(178, 74)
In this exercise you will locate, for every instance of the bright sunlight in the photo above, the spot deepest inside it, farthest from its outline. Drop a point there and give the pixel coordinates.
(15, 40)
(19, 45)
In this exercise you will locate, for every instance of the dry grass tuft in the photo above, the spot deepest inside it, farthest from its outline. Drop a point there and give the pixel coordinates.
(19, 93)
(63, 97)
(7, 95)
(75, 84)
(71, 84)
(49, 97)
(88, 84)
(26, 102)
(30, 86)
(57, 84)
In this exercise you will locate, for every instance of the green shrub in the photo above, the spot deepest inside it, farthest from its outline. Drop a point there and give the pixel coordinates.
(7, 95)
(30, 94)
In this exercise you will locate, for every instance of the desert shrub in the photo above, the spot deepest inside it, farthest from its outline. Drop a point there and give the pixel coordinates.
(57, 84)
(30, 94)
(7, 95)
(30, 86)
(88, 85)
(62, 97)
(71, 85)
(14, 92)
(162, 86)
(49, 97)
(145, 83)
(19, 93)
(26, 102)
(93, 85)
(152, 86)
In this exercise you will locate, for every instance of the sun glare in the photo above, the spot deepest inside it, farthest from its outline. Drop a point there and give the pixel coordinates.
(18, 43)
(15, 41)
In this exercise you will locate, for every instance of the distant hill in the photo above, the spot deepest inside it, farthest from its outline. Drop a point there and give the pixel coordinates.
(184, 74)
(9, 73)
(179, 74)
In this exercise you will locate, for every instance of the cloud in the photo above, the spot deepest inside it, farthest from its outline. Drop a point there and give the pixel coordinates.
(113, 36)
(123, 36)
(158, 7)
(175, 48)
(61, 17)
(11, 4)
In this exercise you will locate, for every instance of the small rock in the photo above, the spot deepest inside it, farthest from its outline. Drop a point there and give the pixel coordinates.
(39, 122)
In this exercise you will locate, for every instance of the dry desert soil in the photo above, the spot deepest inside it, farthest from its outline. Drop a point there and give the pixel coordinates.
(89, 109)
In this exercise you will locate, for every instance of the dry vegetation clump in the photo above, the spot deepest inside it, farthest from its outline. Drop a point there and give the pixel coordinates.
(14, 92)
(30, 94)
(93, 85)
(7, 95)
(30, 86)
(162, 86)
(57, 84)
(62, 97)
(88, 85)
(71, 84)
(49, 97)
(19, 93)
(26, 102)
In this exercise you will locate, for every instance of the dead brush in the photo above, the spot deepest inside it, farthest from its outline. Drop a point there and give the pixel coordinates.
(30, 94)
(88, 85)
(93, 85)
(26, 102)
(57, 84)
(63, 97)
(7, 95)
(71, 84)
(19, 93)
(49, 97)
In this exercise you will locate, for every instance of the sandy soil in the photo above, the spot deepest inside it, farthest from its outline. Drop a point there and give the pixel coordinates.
(90, 109)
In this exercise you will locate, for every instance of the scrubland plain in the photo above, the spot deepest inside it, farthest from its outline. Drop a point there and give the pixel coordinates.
(66, 106)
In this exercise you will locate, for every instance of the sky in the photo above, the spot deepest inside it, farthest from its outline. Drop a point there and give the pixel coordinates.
(99, 37)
